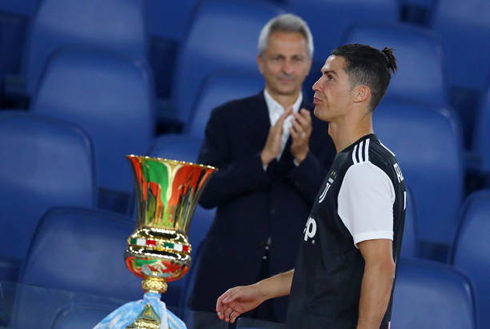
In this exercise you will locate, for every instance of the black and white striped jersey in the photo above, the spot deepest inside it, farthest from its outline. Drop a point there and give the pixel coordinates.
(363, 197)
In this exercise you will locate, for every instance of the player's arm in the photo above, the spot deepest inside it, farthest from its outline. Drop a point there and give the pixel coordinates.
(377, 282)
(238, 300)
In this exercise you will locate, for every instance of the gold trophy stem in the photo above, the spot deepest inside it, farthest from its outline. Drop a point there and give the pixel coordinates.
(154, 285)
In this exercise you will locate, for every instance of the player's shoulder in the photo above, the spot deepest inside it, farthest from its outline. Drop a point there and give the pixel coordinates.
(370, 152)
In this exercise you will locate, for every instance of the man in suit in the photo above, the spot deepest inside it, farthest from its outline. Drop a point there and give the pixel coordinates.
(271, 154)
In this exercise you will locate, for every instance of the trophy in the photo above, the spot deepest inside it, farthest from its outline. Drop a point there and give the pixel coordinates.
(158, 251)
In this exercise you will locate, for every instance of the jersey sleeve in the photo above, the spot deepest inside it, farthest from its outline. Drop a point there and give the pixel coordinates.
(365, 203)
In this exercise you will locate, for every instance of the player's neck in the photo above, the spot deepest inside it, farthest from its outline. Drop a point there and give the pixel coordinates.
(348, 130)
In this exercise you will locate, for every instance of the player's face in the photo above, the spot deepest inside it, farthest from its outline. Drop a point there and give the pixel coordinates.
(332, 91)
(285, 63)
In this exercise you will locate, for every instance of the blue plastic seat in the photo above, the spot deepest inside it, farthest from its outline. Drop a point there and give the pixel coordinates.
(470, 254)
(79, 251)
(169, 19)
(420, 59)
(110, 24)
(432, 295)
(481, 137)
(428, 146)
(111, 97)
(223, 36)
(329, 19)
(81, 316)
(24, 7)
(45, 163)
(464, 29)
(219, 89)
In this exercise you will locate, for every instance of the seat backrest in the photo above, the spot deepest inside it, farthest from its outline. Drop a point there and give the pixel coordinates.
(481, 137)
(470, 254)
(169, 19)
(420, 58)
(432, 295)
(176, 147)
(464, 28)
(219, 89)
(428, 146)
(410, 238)
(108, 95)
(110, 24)
(81, 251)
(45, 163)
(328, 19)
(224, 36)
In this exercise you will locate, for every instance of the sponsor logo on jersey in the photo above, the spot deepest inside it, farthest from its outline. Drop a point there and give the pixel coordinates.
(310, 229)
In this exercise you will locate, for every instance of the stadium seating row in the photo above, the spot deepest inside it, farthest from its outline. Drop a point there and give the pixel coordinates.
(57, 169)
(93, 102)
(206, 29)
(70, 240)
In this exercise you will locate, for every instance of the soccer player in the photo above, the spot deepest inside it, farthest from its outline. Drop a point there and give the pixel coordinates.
(345, 269)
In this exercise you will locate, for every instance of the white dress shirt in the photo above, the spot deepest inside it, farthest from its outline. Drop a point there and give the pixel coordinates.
(275, 112)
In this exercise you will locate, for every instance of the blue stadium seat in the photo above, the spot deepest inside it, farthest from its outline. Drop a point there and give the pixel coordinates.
(428, 146)
(176, 147)
(24, 7)
(80, 316)
(432, 295)
(75, 250)
(328, 19)
(470, 254)
(421, 72)
(464, 28)
(1, 79)
(111, 97)
(417, 12)
(184, 148)
(223, 36)
(110, 24)
(410, 238)
(45, 163)
(169, 19)
(218, 89)
(481, 137)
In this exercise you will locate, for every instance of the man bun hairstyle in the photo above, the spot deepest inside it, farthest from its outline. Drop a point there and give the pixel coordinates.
(390, 59)
(368, 66)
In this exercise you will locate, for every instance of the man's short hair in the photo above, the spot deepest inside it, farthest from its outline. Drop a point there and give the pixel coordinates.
(368, 66)
(285, 23)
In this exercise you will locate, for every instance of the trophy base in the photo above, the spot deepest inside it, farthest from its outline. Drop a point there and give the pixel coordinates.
(154, 285)
(148, 319)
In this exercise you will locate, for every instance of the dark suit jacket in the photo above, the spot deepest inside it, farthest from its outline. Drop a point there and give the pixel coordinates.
(254, 204)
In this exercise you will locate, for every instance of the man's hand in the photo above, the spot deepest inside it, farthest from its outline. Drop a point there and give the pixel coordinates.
(300, 132)
(238, 300)
(273, 144)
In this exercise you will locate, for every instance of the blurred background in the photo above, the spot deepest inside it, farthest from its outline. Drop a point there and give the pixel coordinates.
(84, 83)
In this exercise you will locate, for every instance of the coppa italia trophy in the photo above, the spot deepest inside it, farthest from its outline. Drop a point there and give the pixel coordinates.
(158, 251)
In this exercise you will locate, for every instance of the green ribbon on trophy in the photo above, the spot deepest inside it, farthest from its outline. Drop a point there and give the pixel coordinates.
(159, 251)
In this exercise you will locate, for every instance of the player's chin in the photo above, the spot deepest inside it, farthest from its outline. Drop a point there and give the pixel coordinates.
(319, 113)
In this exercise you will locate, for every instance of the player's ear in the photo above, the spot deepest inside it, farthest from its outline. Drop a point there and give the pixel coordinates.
(362, 93)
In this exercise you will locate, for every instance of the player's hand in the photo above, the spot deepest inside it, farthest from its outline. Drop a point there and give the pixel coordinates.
(273, 144)
(236, 301)
(300, 132)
